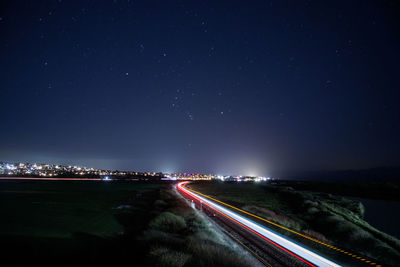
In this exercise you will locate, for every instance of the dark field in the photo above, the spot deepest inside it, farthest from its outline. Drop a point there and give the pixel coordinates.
(98, 223)
(81, 223)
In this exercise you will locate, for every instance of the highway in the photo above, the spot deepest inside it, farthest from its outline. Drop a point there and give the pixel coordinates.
(287, 246)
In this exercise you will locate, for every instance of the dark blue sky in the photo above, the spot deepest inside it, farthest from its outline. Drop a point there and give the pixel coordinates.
(244, 87)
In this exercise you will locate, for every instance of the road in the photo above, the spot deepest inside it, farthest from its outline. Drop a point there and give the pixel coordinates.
(263, 234)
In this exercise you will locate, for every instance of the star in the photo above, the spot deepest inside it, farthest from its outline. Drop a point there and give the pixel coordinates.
(190, 116)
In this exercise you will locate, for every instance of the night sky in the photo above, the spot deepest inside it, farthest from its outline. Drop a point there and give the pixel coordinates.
(224, 87)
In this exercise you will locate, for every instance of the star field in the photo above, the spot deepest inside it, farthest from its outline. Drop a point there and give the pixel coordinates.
(224, 87)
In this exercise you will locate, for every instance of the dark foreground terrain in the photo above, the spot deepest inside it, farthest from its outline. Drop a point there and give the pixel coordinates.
(73, 223)
(99, 223)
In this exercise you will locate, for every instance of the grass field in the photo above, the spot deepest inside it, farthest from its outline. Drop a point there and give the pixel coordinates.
(62, 209)
(73, 221)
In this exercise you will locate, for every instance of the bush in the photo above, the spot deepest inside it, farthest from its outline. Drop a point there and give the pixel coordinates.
(316, 235)
(167, 257)
(160, 204)
(195, 223)
(312, 210)
(354, 206)
(166, 195)
(208, 253)
(275, 217)
(207, 236)
(168, 222)
(334, 219)
(160, 237)
(310, 203)
(360, 235)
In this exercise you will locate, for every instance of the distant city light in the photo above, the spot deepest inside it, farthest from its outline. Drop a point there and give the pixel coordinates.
(49, 170)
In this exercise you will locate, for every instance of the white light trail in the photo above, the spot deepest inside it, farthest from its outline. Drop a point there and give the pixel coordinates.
(289, 245)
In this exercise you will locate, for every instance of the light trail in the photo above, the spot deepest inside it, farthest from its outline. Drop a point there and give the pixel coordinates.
(352, 255)
(288, 246)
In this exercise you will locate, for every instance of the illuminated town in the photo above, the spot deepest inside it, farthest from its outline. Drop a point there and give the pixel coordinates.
(50, 170)
(227, 178)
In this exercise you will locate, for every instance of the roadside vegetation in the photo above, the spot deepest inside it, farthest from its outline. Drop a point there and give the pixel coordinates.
(328, 218)
(180, 236)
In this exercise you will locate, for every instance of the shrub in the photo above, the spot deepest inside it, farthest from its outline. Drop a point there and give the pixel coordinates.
(208, 253)
(195, 223)
(310, 203)
(360, 235)
(160, 237)
(316, 235)
(312, 210)
(167, 257)
(207, 235)
(334, 219)
(159, 203)
(168, 222)
(275, 217)
(166, 195)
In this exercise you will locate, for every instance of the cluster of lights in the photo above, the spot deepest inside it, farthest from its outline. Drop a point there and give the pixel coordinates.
(189, 176)
(241, 178)
(46, 170)
(50, 170)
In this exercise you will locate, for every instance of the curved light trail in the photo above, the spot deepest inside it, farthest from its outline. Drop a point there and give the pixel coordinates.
(288, 246)
(352, 255)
